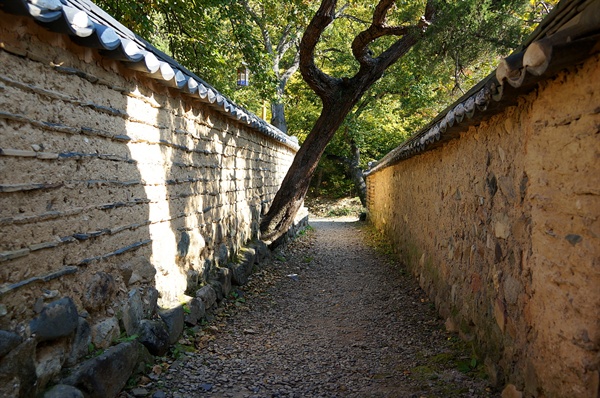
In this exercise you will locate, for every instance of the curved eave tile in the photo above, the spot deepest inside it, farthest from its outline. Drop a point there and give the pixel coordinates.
(44, 15)
(103, 38)
(89, 26)
(126, 51)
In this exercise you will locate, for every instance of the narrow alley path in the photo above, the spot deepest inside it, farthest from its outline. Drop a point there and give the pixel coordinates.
(328, 317)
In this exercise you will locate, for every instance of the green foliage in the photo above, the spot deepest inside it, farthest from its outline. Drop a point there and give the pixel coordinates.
(124, 338)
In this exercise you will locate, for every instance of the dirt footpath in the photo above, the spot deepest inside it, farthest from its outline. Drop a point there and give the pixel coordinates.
(329, 317)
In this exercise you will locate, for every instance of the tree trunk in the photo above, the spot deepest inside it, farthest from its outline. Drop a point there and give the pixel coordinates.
(290, 196)
(278, 116)
(356, 172)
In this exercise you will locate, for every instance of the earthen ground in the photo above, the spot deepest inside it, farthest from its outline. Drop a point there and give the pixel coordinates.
(329, 316)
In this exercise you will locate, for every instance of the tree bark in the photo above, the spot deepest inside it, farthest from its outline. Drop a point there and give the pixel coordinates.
(357, 174)
(338, 97)
(294, 187)
(278, 116)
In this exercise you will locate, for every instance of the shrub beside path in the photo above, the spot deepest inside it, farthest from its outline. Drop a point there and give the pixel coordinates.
(329, 316)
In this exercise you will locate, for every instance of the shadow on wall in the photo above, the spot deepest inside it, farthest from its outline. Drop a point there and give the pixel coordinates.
(74, 211)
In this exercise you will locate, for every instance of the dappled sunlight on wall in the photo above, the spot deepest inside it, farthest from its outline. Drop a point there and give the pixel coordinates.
(153, 167)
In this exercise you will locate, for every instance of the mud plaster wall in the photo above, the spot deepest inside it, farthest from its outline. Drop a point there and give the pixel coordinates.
(107, 176)
(501, 228)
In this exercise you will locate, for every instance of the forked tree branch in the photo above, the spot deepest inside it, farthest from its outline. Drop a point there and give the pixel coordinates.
(371, 68)
(318, 81)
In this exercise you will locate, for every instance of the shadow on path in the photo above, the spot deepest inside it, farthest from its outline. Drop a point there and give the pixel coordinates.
(328, 317)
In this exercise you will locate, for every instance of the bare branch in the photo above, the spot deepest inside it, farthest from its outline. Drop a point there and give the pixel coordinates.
(291, 70)
(353, 18)
(259, 22)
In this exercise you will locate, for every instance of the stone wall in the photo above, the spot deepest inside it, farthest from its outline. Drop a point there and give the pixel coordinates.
(117, 194)
(501, 227)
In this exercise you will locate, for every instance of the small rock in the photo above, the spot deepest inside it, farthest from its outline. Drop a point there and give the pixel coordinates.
(573, 239)
(139, 392)
(159, 394)
(38, 306)
(206, 386)
(212, 329)
(502, 228)
(50, 294)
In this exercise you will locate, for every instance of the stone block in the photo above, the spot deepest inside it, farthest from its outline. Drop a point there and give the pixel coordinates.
(99, 290)
(17, 371)
(222, 254)
(217, 288)
(49, 361)
(208, 296)
(57, 319)
(105, 332)
(196, 311)
(173, 319)
(150, 301)
(81, 342)
(512, 289)
(105, 375)
(138, 270)
(262, 251)
(224, 279)
(154, 336)
(8, 341)
(63, 391)
(133, 312)
(239, 273)
(248, 255)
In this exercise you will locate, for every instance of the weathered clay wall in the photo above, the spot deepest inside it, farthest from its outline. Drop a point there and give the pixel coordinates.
(502, 229)
(113, 188)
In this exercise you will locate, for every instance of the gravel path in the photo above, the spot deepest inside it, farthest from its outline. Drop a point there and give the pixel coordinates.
(328, 317)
